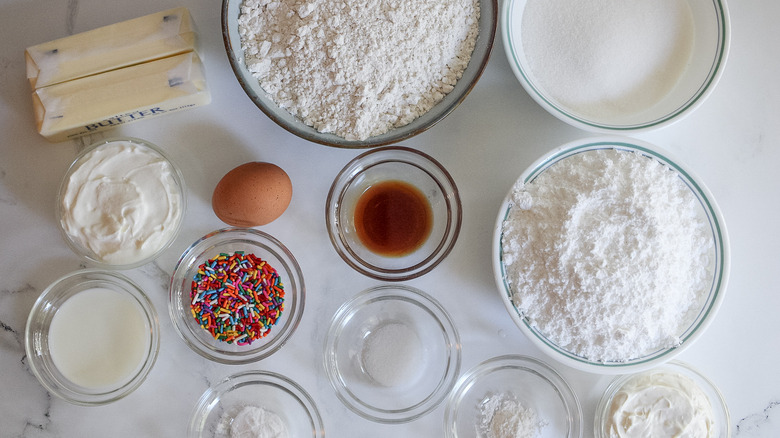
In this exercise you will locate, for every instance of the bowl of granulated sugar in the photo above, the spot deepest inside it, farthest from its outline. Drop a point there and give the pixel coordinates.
(611, 256)
(615, 66)
(356, 75)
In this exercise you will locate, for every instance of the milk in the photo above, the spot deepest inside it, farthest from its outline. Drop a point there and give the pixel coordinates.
(99, 338)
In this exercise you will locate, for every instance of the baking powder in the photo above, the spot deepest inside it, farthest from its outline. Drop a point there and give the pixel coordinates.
(611, 258)
(358, 68)
(504, 416)
(257, 422)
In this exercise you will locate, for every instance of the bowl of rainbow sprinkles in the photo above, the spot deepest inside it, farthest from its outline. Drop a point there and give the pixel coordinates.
(236, 295)
(610, 256)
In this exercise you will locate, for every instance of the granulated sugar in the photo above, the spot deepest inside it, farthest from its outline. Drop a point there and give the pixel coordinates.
(358, 68)
(606, 58)
(609, 256)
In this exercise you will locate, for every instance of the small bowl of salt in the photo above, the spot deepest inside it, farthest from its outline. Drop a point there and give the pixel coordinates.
(617, 66)
(392, 354)
(255, 403)
(512, 396)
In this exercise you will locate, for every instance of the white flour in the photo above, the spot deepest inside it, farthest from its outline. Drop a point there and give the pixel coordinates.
(611, 258)
(606, 58)
(358, 68)
(503, 416)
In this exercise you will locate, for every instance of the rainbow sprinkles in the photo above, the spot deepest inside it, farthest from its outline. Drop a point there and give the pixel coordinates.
(237, 297)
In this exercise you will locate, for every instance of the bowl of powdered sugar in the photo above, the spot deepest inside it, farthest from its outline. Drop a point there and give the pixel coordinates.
(617, 65)
(610, 256)
(358, 73)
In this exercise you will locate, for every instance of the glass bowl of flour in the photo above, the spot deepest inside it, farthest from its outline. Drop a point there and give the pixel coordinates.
(256, 404)
(610, 256)
(613, 66)
(346, 75)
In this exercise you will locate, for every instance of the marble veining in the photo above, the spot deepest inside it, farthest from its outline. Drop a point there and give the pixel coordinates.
(754, 424)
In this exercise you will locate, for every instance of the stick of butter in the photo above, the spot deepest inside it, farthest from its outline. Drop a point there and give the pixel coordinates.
(110, 47)
(98, 102)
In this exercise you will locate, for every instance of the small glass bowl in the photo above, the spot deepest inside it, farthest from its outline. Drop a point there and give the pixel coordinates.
(721, 417)
(710, 48)
(231, 240)
(393, 164)
(90, 255)
(38, 349)
(218, 406)
(719, 271)
(422, 385)
(488, 21)
(529, 381)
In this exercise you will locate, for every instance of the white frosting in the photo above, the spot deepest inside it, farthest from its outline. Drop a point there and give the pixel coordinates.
(661, 404)
(122, 203)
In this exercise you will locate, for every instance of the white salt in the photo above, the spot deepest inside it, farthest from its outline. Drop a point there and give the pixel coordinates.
(607, 58)
(392, 355)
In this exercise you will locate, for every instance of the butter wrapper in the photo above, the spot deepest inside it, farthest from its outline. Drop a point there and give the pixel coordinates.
(95, 103)
(111, 47)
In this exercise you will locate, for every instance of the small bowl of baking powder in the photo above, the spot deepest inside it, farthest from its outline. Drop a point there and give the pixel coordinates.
(256, 404)
(614, 66)
(512, 396)
(610, 256)
(348, 75)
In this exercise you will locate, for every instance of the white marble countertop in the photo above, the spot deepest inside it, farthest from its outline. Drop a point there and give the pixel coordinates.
(732, 142)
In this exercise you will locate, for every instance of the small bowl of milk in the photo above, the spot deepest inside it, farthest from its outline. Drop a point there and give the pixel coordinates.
(92, 337)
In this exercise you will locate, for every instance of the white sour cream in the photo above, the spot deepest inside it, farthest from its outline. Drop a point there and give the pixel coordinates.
(661, 404)
(121, 202)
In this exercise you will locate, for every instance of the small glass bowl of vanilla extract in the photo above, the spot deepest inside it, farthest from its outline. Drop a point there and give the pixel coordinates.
(393, 213)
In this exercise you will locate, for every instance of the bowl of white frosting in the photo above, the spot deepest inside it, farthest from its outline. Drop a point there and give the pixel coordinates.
(121, 203)
(614, 66)
(610, 256)
(673, 399)
(347, 74)
(255, 404)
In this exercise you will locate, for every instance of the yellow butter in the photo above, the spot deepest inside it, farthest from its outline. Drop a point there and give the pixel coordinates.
(110, 47)
(98, 102)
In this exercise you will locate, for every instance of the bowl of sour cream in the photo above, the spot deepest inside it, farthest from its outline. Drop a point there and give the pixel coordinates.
(121, 203)
(673, 399)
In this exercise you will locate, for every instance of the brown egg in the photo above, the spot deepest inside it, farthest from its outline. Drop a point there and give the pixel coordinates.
(252, 194)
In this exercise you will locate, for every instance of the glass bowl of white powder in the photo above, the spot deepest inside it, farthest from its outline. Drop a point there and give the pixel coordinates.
(121, 203)
(610, 256)
(255, 404)
(345, 75)
(392, 354)
(673, 399)
(512, 396)
(92, 337)
(615, 66)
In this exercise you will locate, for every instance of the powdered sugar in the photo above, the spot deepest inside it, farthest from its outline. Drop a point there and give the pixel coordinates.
(358, 68)
(504, 416)
(611, 259)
